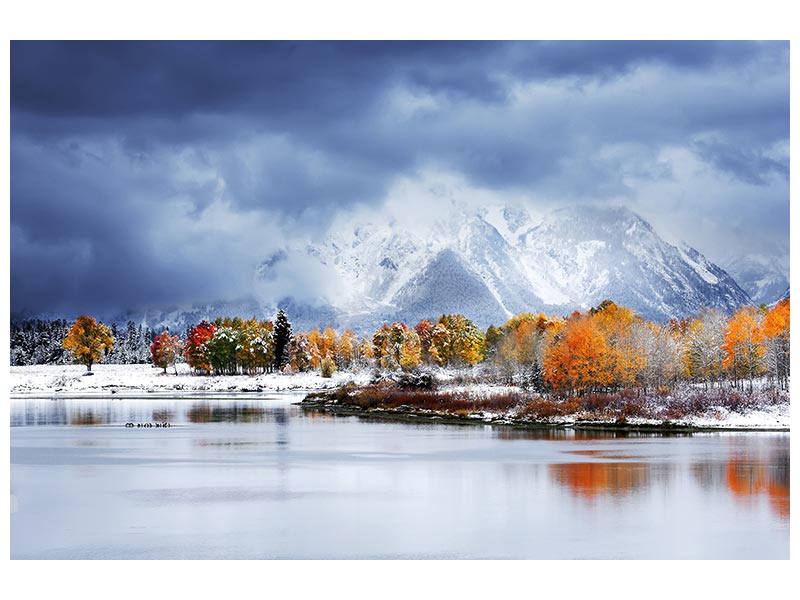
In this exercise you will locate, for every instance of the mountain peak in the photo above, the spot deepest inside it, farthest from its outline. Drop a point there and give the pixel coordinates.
(493, 262)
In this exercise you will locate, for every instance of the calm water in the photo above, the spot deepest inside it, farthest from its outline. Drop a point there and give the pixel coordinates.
(262, 479)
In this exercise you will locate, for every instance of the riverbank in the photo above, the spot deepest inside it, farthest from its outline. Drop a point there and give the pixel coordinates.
(455, 399)
(145, 380)
(522, 409)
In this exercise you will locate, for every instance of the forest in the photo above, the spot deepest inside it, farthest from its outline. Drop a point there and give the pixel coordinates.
(605, 349)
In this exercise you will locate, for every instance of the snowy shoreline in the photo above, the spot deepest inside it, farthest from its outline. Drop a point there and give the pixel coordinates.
(769, 419)
(146, 382)
(64, 381)
(757, 422)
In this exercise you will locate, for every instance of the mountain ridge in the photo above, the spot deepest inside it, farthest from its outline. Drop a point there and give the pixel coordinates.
(487, 264)
(574, 258)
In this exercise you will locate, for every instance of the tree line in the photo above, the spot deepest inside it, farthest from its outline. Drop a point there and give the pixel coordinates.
(40, 342)
(606, 348)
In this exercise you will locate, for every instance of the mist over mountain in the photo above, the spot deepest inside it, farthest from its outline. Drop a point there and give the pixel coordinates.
(488, 264)
(496, 262)
(764, 277)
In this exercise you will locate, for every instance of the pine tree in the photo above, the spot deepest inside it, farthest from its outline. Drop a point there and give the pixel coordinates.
(282, 335)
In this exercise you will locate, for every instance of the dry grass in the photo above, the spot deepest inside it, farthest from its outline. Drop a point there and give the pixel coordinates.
(618, 406)
(386, 395)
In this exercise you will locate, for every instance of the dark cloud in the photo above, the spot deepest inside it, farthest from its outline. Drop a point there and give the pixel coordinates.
(316, 79)
(138, 167)
(747, 165)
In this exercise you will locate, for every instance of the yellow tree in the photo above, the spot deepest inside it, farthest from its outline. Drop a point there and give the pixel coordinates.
(410, 350)
(440, 348)
(626, 357)
(328, 343)
(346, 349)
(522, 343)
(87, 339)
(245, 356)
(366, 352)
(457, 341)
(315, 346)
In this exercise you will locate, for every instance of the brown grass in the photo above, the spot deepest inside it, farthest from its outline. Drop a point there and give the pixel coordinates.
(617, 406)
(460, 402)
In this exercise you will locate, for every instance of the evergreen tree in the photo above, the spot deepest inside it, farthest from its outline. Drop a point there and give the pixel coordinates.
(282, 335)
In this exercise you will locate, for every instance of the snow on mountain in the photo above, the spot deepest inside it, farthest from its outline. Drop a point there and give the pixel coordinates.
(765, 278)
(487, 264)
(497, 262)
(587, 254)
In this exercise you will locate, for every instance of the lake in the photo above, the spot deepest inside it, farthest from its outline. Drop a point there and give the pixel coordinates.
(261, 478)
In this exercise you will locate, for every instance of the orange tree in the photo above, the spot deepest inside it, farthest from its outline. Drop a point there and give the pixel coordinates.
(744, 345)
(776, 332)
(87, 340)
(578, 359)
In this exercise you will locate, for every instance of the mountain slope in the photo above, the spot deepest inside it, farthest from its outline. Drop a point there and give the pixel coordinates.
(487, 264)
(581, 256)
(765, 278)
(495, 263)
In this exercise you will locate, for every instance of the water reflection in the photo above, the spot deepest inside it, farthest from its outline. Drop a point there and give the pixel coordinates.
(555, 433)
(38, 412)
(594, 479)
(266, 480)
(163, 415)
(750, 481)
(85, 417)
(227, 413)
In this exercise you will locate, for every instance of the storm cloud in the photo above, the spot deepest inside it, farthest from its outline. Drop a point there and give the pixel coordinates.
(165, 172)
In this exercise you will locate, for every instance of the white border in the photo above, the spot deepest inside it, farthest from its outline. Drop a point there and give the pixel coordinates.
(412, 19)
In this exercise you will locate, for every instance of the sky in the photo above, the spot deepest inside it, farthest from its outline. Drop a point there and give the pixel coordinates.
(162, 173)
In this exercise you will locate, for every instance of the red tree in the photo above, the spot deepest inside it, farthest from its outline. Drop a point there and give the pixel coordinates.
(165, 349)
(195, 350)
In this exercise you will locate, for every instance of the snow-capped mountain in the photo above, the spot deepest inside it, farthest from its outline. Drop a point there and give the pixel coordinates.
(765, 278)
(497, 262)
(487, 264)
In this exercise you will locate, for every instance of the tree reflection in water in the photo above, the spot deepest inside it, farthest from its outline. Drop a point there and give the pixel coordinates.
(593, 479)
(85, 417)
(749, 481)
(227, 413)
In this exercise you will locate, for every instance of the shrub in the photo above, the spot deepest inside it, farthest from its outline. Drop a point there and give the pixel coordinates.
(327, 367)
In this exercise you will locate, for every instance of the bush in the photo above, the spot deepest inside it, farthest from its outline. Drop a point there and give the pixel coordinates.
(327, 367)
(542, 408)
(421, 380)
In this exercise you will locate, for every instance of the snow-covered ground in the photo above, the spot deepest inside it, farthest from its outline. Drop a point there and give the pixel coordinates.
(69, 380)
(769, 417)
(139, 380)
